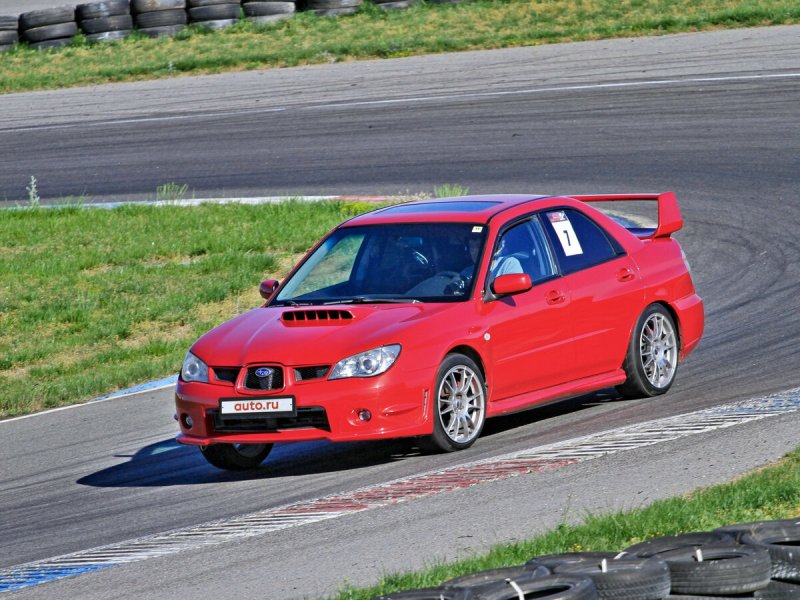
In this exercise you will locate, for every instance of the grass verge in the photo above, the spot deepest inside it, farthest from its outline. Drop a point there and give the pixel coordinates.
(769, 493)
(373, 33)
(94, 300)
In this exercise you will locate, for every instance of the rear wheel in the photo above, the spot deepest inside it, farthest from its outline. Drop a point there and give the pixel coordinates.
(652, 359)
(459, 405)
(236, 457)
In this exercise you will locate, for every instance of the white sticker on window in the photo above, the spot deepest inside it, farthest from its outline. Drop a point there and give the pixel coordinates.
(477, 229)
(565, 233)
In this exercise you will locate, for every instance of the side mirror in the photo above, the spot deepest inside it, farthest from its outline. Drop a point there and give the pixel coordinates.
(513, 283)
(267, 288)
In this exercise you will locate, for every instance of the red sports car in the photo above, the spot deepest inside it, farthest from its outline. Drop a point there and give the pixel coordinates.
(423, 319)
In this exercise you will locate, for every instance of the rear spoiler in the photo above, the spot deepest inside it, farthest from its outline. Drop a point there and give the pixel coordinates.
(669, 215)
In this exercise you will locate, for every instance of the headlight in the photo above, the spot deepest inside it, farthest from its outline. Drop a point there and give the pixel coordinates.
(366, 364)
(194, 369)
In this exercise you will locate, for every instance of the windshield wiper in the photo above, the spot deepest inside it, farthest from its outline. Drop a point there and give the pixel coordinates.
(373, 300)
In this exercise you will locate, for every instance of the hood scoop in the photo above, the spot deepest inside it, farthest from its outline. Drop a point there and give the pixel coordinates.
(316, 317)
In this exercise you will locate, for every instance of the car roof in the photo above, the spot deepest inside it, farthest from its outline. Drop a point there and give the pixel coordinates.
(467, 209)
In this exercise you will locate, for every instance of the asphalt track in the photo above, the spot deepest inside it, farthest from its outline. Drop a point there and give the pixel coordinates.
(714, 116)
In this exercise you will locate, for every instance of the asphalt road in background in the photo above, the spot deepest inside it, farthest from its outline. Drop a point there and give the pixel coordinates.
(713, 116)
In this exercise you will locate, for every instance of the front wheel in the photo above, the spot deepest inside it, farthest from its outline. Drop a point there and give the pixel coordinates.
(652, 359)
(459, 409)
(236, 457)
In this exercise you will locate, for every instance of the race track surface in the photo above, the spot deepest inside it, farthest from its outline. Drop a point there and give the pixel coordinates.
(714, 117)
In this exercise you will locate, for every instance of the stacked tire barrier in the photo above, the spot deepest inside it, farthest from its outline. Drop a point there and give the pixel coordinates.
(49, 27)
(748, 560)
(110, 20)
(268, 11)
(214, 14)
(105, 21)
(157, 18)
(9, 35)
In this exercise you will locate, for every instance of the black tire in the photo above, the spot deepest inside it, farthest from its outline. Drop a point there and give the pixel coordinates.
(551, 587)
(9, 23)
(216, 24)
(51, 32)
(323, 4)
(469, 401)
(783, 545)
(333, 12)
(668, 543)
(166, 31)
(214, 13)
(100, 10)
(435, 593)
(109, 36)
(269, 19)
(46, 16)
(265, 9)
(162, 18)
(199, 3)
(394, 5)
(233, 457)
(8, 38)
(144, 6)
(739, 529)
(617, 578)
(779, 590)
(51, 44)
(476, 581)
(103, 24)
(6, 47)
(641, 382)
(725, 569)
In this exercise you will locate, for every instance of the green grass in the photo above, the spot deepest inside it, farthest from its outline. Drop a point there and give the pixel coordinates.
(422, 29)
(770, 493)
(95, 300)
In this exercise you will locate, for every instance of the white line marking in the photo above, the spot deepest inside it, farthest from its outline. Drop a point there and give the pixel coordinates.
(418, 99)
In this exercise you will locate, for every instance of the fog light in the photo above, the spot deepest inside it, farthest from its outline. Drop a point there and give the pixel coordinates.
(187, 421)
(364, 414)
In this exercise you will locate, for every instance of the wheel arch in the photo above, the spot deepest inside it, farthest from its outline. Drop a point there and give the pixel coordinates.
(470, 352)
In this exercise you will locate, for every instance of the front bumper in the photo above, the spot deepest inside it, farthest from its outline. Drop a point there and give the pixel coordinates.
(398, 402)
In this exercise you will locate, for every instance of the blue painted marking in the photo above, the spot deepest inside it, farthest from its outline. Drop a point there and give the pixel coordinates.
(150, 385)
(23, 577)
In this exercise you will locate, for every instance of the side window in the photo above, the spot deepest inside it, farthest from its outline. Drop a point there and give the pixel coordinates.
(523, 249)
(578, 241)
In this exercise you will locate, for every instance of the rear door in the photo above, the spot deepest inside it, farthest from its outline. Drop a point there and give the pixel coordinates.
(604, 286)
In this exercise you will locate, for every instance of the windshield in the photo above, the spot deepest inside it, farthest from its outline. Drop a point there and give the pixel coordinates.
(425, 262)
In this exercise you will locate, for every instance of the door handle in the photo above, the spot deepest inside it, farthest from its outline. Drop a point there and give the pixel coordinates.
(554, 297)
(625, 274)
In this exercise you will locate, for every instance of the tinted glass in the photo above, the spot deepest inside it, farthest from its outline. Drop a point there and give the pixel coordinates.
(428, 207)
(523, 249)
(578, 241)
(432, 262)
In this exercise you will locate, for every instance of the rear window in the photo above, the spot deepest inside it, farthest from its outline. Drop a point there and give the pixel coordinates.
(578, 241)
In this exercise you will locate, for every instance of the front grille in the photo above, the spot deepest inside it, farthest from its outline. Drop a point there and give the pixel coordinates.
(306, 373)
(307, 417)
(271, 379)
(225, 374)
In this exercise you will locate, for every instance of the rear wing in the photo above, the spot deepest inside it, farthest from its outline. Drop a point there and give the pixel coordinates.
(669, 215)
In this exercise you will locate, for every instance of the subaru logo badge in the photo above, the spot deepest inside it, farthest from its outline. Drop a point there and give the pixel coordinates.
(263, 372)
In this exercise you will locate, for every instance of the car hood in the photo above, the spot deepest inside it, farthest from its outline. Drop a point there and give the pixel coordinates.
(310, 335)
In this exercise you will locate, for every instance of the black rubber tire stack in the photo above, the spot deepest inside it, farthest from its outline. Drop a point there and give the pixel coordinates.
(268, 11)
(105, 21)
(333, 8)
(157, 18)
(214, 14)
(9, 35)
(48, 27)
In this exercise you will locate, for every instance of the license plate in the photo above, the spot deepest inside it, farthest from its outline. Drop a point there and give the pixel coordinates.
(258, 406)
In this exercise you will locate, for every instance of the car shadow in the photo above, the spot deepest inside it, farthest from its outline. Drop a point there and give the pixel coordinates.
(168, 463)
